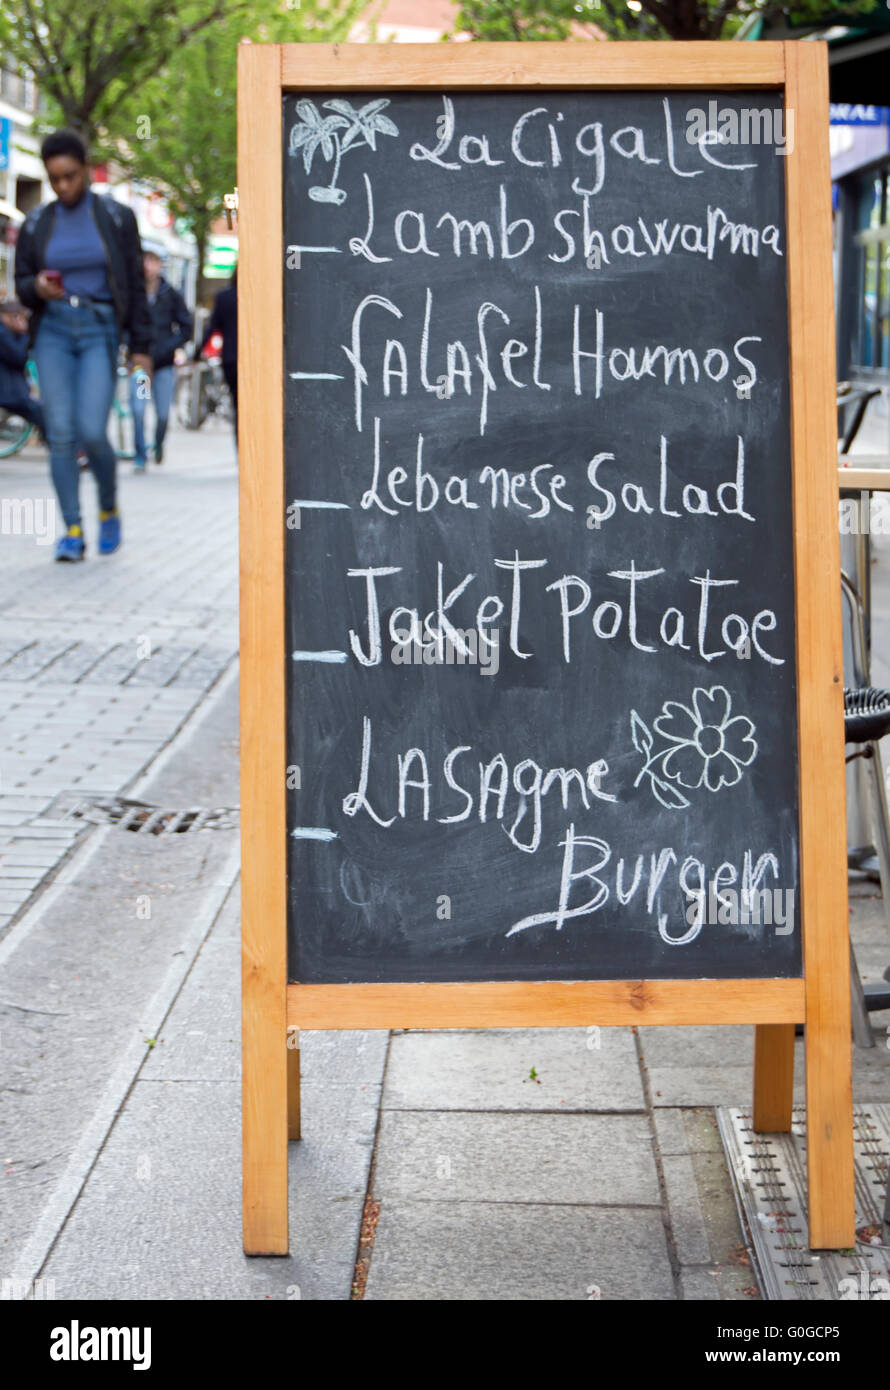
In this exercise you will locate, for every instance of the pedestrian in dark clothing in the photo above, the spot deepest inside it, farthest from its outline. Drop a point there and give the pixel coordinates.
(171, 329)
(78, 266)
(14, 393)
(224, 320)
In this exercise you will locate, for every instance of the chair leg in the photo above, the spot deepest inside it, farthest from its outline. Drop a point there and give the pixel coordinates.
(862, 1034)
(858, 635)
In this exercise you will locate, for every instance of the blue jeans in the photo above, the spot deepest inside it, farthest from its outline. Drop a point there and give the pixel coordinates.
(162, 395)
(76, 355)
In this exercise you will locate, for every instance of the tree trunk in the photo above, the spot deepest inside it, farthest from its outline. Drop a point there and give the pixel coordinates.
(200, 234)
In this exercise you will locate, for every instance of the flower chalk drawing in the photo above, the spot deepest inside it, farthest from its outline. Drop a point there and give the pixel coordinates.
(705, 747)
(314, 131)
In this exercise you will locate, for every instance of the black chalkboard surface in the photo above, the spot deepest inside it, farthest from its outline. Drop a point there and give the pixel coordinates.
(542, 713)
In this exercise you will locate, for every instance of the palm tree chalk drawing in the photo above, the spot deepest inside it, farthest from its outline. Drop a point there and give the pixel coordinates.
(346, 129)
(704, 747)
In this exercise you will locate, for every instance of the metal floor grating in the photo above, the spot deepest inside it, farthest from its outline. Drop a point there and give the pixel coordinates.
(769, 1175)
(140, 816)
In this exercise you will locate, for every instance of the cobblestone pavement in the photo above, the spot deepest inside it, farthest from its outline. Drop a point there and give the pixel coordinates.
(102, 662)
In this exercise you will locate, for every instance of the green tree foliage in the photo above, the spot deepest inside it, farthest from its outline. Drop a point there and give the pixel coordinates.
(178, 130)
(522, 19)
(640, 19)
(86, 56)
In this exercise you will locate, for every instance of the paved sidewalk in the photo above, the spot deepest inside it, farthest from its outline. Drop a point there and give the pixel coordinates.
(526, 1164)
(102, 662)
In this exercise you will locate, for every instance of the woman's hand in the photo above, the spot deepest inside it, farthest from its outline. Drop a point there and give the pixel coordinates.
(140, 361)
(47, 288)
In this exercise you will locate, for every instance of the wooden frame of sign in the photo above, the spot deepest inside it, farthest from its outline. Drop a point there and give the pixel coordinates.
(272, 1006)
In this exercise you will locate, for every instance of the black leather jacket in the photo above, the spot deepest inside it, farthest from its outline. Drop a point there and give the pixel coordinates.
(119, 232)
(171, 323)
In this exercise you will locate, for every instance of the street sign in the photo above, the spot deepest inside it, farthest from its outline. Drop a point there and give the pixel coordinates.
(851, 113)
(220, 258)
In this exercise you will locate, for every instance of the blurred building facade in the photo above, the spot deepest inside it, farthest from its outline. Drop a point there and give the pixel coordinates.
(860, 166)
(859, 91)
(409, 21)
(23, 182)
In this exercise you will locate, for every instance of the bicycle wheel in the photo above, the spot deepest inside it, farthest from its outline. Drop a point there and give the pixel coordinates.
(192, 411)
(183, 401)
(221, 396)
(120, 409)
(15, 431)
(225, 409)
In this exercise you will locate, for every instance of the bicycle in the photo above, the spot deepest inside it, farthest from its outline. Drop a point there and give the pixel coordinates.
(15, 430)
(201, 391)
(122, 412)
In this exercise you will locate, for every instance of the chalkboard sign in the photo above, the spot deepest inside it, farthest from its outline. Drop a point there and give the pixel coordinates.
(540, 599)
(540, 615)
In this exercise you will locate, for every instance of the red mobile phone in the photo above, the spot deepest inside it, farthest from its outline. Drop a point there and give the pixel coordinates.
(55, 276)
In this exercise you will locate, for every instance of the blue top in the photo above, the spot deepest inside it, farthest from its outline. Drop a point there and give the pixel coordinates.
(76, 249)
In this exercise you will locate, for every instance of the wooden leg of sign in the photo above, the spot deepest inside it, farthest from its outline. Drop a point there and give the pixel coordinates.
(830, 1174)
(773, 1077)
(293, 1083)
(263, 711)
(820, 661)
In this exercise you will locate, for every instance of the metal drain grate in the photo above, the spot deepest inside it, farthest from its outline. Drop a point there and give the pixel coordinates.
(140, 817)
(769, 1175)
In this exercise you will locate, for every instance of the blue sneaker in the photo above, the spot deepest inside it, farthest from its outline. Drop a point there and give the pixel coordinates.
(70, 546)
(139, 465)
(109, 532)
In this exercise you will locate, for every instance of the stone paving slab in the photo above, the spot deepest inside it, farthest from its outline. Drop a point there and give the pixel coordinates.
(688, 1047)
(704, 1082)
(201, 1041)
(724, 1284)
(574, 1069)
(698, 1066)
(686, 1131)
(479, 1251)
(74, 997)
(701, 1085)
(160, 1216)
(687, 1217)
(155, 866)
(567, 1159)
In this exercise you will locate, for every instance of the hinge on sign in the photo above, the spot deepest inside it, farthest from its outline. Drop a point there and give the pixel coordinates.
(230, 204)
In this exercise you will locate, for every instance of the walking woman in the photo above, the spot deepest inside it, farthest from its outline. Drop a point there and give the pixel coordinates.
(78, 266)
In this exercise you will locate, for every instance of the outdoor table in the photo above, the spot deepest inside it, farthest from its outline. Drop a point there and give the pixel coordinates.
(864, 473)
